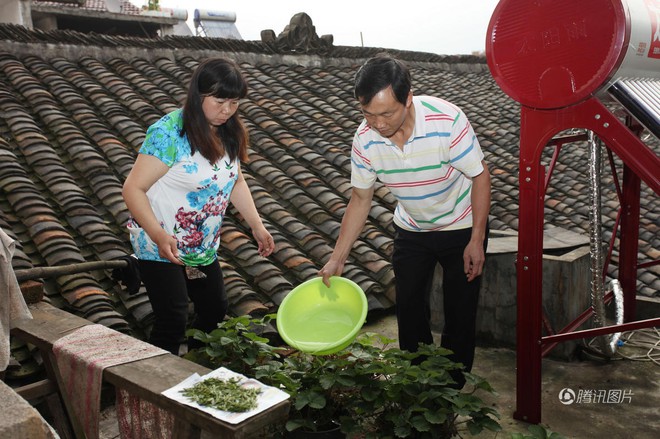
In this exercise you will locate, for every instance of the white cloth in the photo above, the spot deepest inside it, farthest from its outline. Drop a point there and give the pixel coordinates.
(12, 303)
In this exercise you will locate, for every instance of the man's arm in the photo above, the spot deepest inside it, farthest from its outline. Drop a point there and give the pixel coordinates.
(351, 226)
(473, 256)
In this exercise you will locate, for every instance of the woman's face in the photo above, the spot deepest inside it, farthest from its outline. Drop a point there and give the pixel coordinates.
(218, 110)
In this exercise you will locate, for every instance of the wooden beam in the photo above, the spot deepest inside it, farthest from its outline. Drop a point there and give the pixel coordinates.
(60, 270)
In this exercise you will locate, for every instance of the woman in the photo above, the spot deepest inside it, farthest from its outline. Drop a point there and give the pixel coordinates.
(186, 173)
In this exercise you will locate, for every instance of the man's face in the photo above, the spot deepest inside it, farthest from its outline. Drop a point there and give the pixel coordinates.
(384, 113)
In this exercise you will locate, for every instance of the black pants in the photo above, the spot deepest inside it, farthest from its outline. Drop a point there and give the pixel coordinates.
(169, 289)
(414, 260)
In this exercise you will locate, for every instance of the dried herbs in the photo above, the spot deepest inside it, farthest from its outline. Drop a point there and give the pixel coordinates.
(227, 395)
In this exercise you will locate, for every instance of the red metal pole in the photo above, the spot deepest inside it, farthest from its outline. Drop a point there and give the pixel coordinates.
(587, 333)
(529, 266)
(641, 160)
(629, 242)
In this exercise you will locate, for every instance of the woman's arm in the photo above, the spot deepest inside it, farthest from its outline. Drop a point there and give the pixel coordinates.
(242, 200)
(146, 171)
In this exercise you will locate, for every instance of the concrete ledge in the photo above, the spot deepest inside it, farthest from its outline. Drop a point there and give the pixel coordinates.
(18, 419)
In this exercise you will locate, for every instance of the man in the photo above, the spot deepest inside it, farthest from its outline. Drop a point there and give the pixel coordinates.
(425, 151)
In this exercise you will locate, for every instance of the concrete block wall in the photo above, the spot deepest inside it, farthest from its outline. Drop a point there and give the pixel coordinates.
(566, 294)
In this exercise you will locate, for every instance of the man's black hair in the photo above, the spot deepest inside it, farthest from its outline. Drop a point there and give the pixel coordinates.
(381, 72)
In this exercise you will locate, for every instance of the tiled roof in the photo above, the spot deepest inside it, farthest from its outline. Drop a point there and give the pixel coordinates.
(72, 121)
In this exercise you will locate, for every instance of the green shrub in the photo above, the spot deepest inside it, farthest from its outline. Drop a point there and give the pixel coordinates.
(372, 390)
(235, 344)
(538, 432)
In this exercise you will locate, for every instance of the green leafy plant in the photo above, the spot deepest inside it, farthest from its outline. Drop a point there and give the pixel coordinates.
(538, 432)
(235, 344)
(318, 390)
(403, 394)
(370, 389)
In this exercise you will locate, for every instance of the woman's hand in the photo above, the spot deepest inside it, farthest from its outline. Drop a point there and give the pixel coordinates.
(167, 247)
(264, 240)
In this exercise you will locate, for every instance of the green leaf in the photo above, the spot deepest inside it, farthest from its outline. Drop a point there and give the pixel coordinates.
(326, 381)
(196, 333)
(361, 355)
(435, 417)
(311, 399)
(402, 431)
(294, 424)
(420, 423)
(346, 381)
(370, 394)
(538, 431)
(474, 428)
(226, 341)
(214, 353)
(491, 424)
(254, 337)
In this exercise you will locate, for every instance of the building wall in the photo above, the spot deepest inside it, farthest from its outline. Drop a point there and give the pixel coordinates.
(16, 12)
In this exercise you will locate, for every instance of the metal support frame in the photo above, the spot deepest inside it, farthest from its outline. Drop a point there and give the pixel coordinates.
(537, 127)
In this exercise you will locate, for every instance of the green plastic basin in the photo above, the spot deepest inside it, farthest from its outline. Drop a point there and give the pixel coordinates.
(320, 320)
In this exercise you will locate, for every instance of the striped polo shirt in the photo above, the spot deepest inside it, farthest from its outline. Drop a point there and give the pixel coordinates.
(430, 178)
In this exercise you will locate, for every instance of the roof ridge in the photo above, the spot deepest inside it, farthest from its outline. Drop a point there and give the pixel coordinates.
(20, 34)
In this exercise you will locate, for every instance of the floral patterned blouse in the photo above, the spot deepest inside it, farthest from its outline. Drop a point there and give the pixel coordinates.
(190, 200)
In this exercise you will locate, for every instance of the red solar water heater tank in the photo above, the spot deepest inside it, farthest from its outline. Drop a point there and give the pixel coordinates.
(555, 53)
(569, 63)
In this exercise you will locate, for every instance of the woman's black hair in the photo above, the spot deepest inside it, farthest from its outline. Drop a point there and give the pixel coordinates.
(380, 72)
(220, 78)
